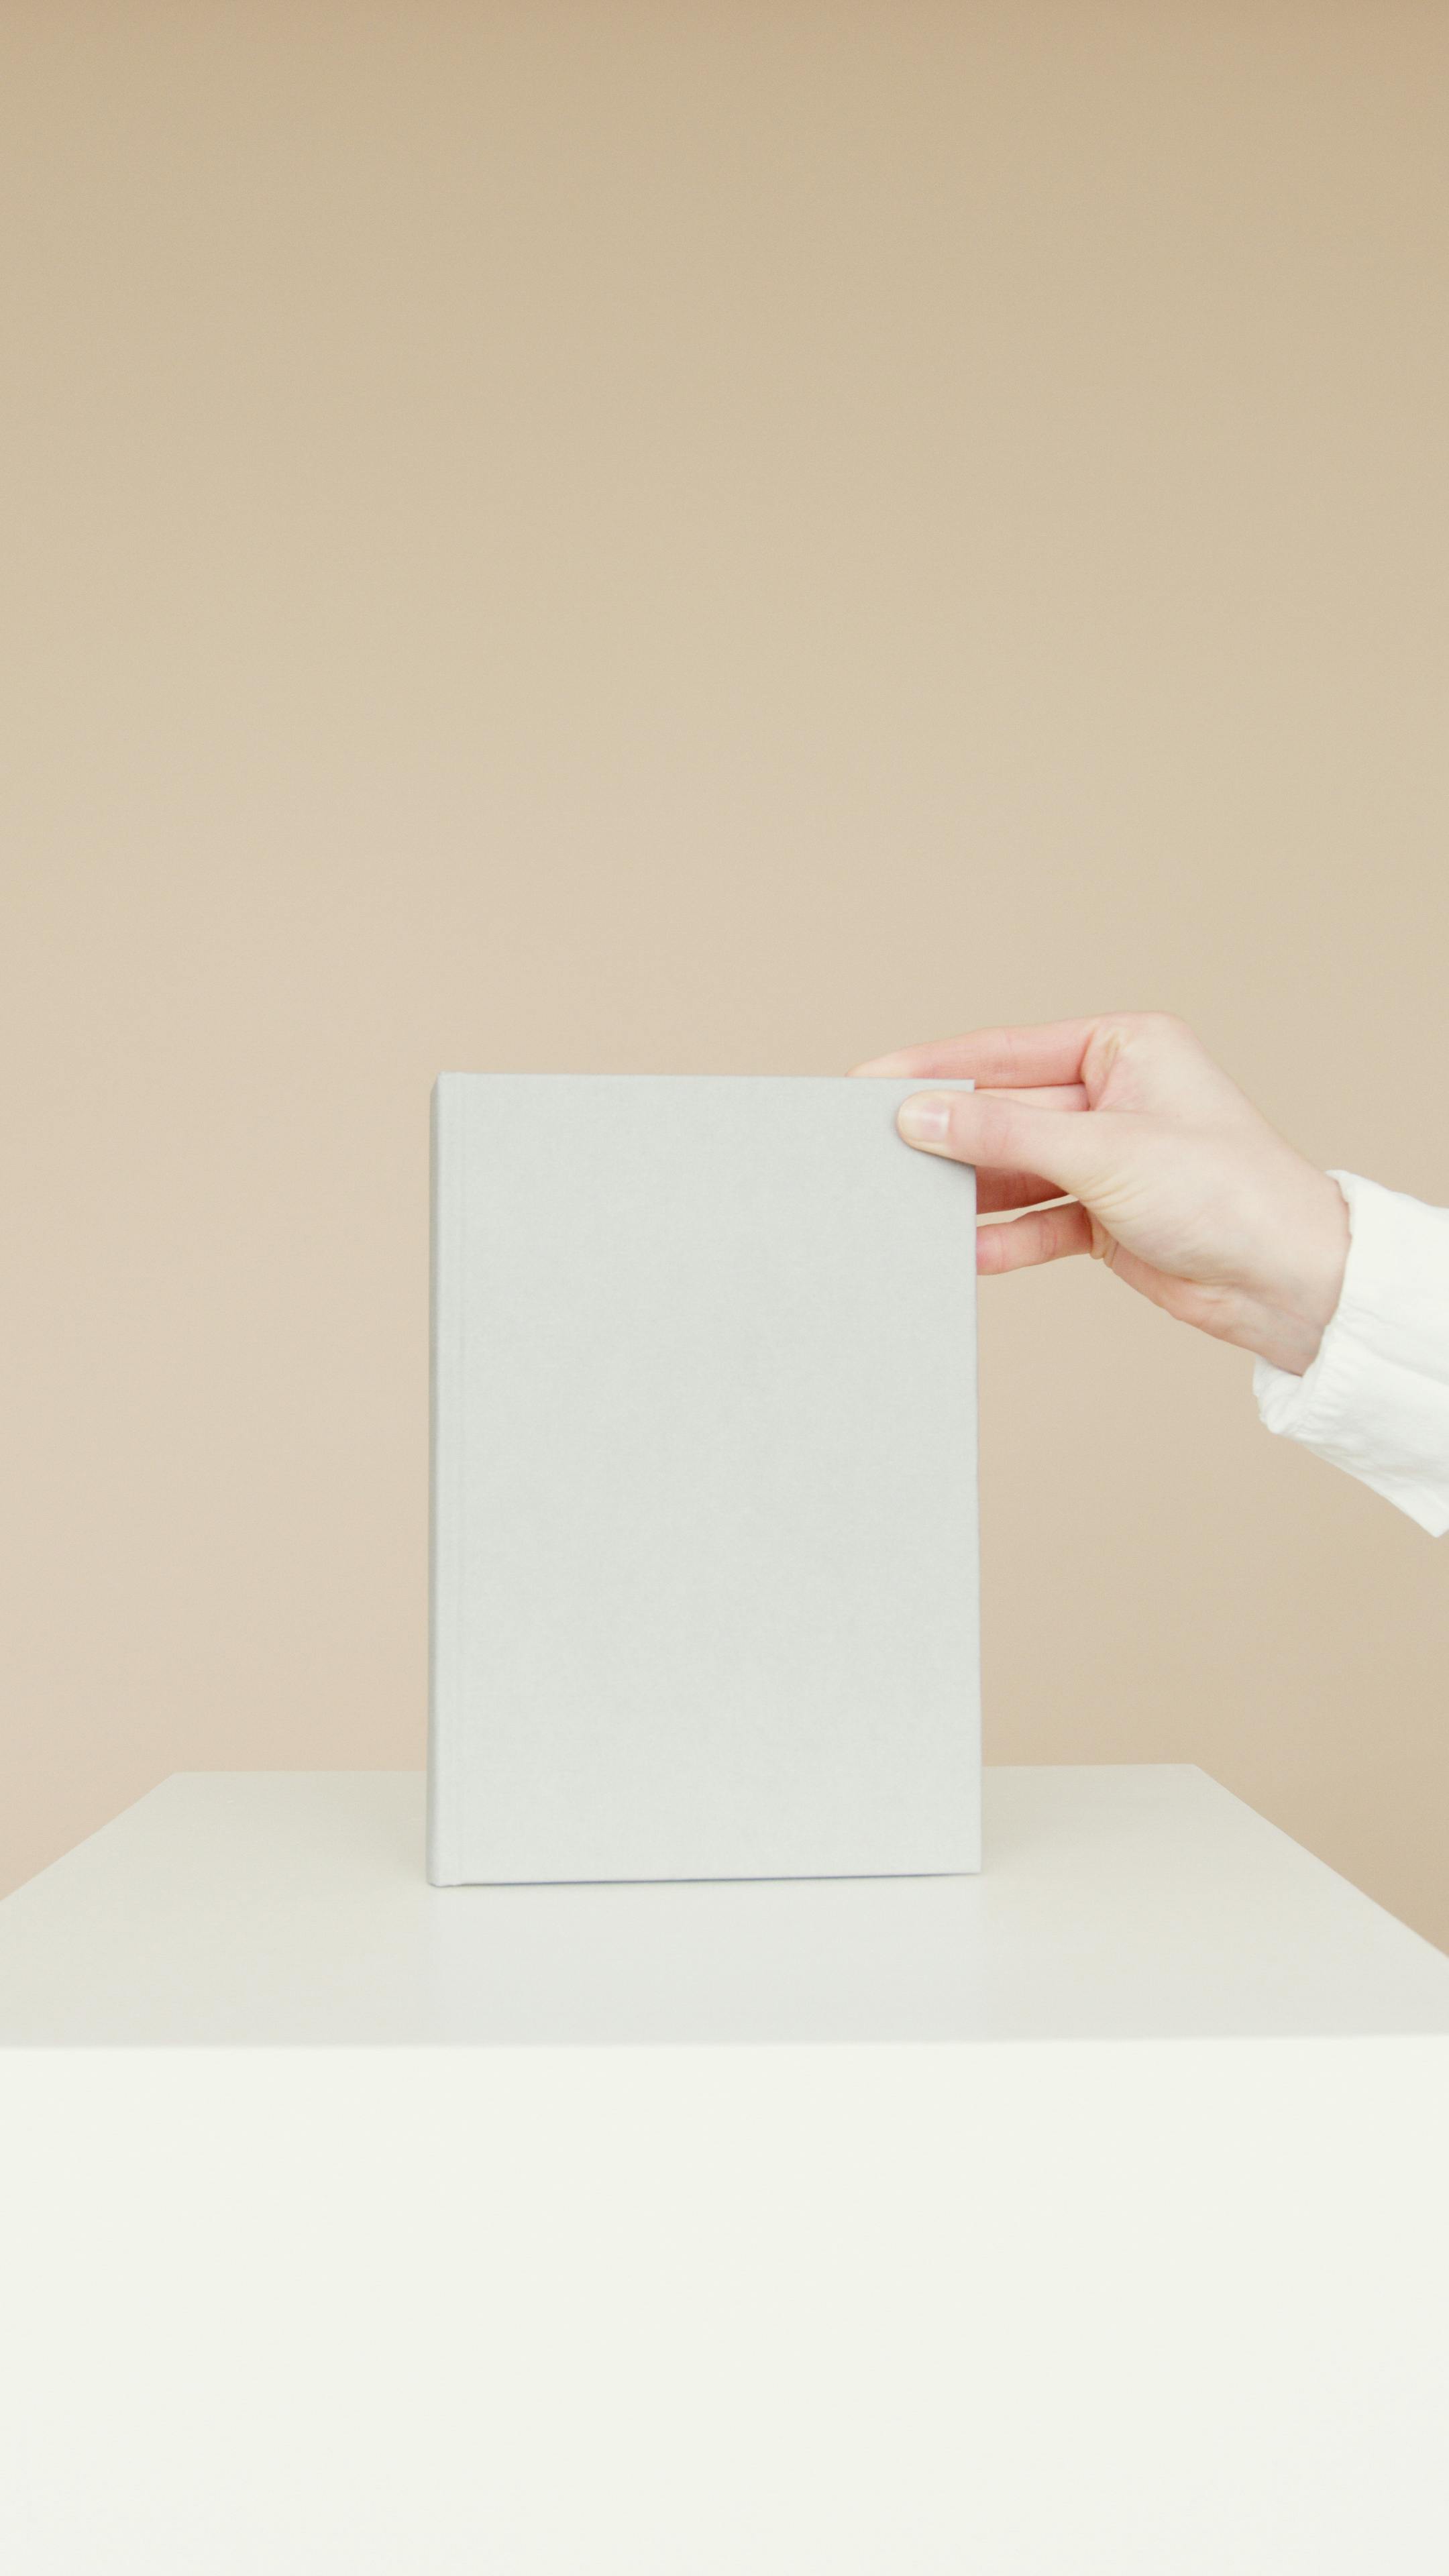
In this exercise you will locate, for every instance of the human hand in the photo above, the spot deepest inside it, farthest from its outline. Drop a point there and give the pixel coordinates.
(1175, 1181)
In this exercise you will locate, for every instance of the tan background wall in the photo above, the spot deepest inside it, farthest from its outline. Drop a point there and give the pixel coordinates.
(705, 538)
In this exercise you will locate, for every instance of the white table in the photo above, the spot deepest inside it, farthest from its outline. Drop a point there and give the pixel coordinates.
(1087, 2216)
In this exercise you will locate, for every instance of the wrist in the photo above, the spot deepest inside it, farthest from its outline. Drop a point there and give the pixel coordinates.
(1286, 1324)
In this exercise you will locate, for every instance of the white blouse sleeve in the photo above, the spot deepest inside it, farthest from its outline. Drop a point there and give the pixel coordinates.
(1376, 1399)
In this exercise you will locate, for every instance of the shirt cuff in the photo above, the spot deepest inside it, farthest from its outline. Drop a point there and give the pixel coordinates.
(1376, 1399)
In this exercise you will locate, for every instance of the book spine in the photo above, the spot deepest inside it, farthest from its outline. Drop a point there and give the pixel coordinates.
(445, 1359)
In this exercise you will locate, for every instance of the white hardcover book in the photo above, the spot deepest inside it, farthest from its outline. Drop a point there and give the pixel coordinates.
(704, 1544)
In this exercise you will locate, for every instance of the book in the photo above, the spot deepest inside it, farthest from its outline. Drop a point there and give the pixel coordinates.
(704, 1563)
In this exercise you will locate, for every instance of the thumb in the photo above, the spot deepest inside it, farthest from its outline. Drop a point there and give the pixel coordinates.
(1001, 1135)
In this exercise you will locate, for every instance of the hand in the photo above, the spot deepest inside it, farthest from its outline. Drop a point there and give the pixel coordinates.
(1174, 1179)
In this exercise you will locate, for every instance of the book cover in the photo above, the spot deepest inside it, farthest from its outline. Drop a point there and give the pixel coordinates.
(704, 1510)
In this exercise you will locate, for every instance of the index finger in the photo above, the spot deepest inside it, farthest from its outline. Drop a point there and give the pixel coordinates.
(1017, 1057)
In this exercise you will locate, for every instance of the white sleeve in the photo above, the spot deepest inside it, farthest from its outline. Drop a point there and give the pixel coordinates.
(1376, 1399)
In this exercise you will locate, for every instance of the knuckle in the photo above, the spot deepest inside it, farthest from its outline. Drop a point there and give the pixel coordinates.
(1062, 1232)
(1128, 1025)
(983, 1123)
(1131, 1034)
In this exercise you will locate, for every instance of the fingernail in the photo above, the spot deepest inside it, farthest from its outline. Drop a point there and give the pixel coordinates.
(926, 1120)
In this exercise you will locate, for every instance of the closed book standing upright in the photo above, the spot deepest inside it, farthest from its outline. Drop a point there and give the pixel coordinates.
(704, 1545)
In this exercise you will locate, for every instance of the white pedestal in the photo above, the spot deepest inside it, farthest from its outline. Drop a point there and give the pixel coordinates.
(424, 2275)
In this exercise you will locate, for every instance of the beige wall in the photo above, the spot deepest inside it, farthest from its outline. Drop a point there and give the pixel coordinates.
(710, 538)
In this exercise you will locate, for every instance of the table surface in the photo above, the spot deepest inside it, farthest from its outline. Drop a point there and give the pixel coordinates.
(782, 2307)
(1122, 1901)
